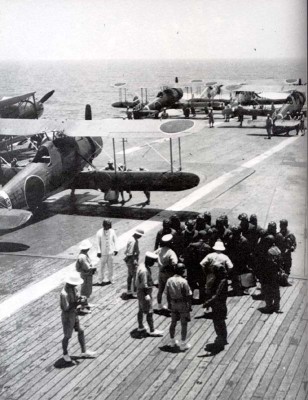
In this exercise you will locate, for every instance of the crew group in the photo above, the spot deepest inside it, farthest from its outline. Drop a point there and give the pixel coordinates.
(209, 254)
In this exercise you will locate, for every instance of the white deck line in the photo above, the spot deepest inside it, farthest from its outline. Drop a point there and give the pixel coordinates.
(34, 291)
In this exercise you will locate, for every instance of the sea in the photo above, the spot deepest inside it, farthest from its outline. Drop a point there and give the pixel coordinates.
(77, 83)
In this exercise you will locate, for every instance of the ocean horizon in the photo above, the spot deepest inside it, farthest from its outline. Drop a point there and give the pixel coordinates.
(80, 82)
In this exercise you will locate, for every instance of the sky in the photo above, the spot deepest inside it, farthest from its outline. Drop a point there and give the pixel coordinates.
(147, 29)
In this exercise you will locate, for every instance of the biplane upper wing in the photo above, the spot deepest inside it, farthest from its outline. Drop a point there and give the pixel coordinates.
(13, 100)
(113, 128)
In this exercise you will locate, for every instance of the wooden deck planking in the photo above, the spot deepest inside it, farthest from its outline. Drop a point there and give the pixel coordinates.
(269, 330)
(197, 347)
(116, 368)
(247, 351)
(291, 370)
(42, 267)
(107, 389)
(42, 375)
(298, 309)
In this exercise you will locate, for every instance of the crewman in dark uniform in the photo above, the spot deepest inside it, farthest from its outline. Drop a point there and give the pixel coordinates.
(110, 166)
(211, 118)
(165, 230)
(208, 219)
(219, 231)
(190, 234)
(217, 300)
(178, 227)
(195, 276)
(164, 114)
(239, 254)
(286, 243)
(250, 232)
(270, 285)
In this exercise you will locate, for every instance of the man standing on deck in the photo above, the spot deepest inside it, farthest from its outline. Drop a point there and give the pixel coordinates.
(132, 253)
(167, 259)
(269, 126)
(69, 301)
(179, 297)
(286, 243)
(144, 285)
(217, 300)
(107, 248)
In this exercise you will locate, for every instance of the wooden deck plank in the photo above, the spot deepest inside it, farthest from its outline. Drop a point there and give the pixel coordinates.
(52, 326)
(299, 377)
(297, 309)
(175, 380)
(247, 353)
(43, 377)
(272, 327)
(291, 370)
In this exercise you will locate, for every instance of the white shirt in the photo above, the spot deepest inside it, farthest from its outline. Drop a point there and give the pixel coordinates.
(107, 241)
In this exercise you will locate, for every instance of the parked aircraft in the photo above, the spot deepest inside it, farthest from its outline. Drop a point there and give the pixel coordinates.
(290, 102)
(62, 156)
(24, 106)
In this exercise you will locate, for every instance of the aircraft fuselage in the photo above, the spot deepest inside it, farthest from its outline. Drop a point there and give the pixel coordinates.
(24, 110)
(53, 169)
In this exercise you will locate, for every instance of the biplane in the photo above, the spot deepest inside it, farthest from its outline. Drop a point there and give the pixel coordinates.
(64, 153)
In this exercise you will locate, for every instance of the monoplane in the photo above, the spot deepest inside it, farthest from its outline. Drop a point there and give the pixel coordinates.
(64, 153)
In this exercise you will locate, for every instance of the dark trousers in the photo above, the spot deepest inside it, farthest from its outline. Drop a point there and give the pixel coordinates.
(221, 331)
(287, 263)
(271, 294)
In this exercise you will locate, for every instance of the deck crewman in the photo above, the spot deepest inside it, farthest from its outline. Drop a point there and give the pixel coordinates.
(302, 123)
(69, 301)
(144, 285)
(286, 243)
(269, 126)
(167, 259)
(217, 300)
(86, 270)
(107, 249)
(179, 297)
(132, 253)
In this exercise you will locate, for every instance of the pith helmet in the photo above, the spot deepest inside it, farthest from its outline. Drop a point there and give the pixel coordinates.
(219, 246)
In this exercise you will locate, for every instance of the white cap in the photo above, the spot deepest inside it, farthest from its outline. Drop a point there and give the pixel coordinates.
(85, 245)
(152, 255)
(139, 232)
(167, 238)
(73, 279)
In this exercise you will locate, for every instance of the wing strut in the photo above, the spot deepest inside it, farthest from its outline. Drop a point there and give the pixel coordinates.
(171, 155)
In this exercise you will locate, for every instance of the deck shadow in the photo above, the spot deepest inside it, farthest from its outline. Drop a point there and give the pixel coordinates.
(11, 247)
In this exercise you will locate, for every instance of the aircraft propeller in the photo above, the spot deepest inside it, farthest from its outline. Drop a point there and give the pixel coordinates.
(46, 96)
